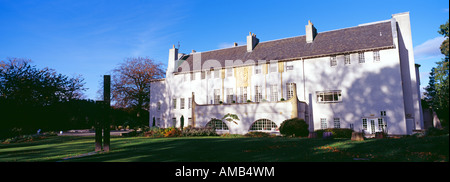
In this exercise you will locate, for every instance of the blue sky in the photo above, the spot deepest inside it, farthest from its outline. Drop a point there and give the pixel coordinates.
(91, 37)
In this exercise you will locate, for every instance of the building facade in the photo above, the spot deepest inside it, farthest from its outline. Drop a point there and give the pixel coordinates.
(362, 77)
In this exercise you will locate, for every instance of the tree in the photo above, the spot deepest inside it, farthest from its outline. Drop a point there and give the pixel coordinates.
(26, 84)
(32, 98)
(131, 84)
(182, 122)
(437, 91)
(441, 78)
(430, 90)
(231, 117)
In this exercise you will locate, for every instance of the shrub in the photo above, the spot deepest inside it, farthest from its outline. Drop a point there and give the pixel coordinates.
(172, 132)
(336, 132)
(28, 138)
(163, 132)
(191, 131)
(294, 127)
(435, 132)
(228, 135)
(257, 134)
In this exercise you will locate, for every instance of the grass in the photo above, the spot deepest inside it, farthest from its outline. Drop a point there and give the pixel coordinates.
(222, 149)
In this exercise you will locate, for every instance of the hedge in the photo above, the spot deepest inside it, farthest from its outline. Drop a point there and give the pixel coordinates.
(336, 132)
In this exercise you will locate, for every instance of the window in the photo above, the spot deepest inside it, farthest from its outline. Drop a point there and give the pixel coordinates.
(263, 125)
(229, 72)
(189, 103)
(273, 67)
(230, 95)
(361, 57)
(258, 94)
(347, 59)
(273, 93)
(216, 73)
(333, 61)
(190, 122)
(174, 122)
(217, 124)
(383, 113)
(376, 56)
(181, 103)
(364, 122)
(208, 74)
(329, 96)
(257, 69)
(289, 90)
(289, 66)
(323, 123)
(158, 105)
(352, 126)
(381, 124)
(216, 96)
(337, 123)
(203, 75)
(174, 102)
(243, 94)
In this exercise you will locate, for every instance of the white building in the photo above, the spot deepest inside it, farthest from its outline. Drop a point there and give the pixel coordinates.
(362, 77)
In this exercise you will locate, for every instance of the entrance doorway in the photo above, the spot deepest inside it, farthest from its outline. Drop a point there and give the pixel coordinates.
(373, 125)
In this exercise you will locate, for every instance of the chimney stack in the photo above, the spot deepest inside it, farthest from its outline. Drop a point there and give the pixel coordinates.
(311, 32)
(252, 41)
(173, 57)
(235, 44)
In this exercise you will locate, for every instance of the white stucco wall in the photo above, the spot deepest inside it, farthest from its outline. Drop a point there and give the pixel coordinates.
(367, 88)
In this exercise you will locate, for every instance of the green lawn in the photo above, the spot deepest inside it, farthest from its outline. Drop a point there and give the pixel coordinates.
(243, 149)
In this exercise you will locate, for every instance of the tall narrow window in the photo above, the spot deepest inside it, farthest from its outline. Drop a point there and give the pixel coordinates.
(203, 75)
(364, 123)
(289, 90)
(243, 95)
(174, 122)
(181, 103)
(347, 59)
(273, 66)
(337, 123)
(230, 95)
(273, 93)
(257, 69)
(323, 123)
(381, 124)
(216, 73)
(216, 96)
(174, 102)
(258, 94)
(361, 57)
(189, 103)
(208, 74)
(376, 56)
(229, 72)
(333, 61)
(158, 105)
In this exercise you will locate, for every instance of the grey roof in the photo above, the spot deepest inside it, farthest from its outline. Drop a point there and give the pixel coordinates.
(348, 40)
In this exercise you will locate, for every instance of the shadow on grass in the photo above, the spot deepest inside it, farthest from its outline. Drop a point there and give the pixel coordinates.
(273, 150)
(217, 149)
